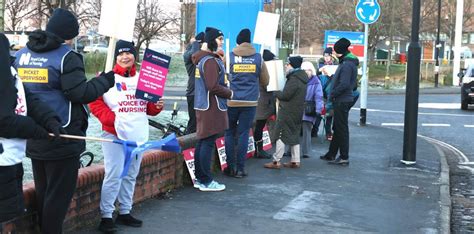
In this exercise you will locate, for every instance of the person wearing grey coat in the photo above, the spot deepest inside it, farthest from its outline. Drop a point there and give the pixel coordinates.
(289, 118)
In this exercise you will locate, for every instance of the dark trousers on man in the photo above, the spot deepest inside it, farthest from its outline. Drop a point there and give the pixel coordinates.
(237, 135)
(191, 128)
(55, 183)
(202, 159)
(340, 141)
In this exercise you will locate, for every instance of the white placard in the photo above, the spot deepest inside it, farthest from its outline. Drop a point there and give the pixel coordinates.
(328, 70)
(117, 18)
(277, 75)
(266, 28)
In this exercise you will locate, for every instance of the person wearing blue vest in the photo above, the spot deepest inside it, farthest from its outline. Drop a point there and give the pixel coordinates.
(247, 73)
(22, 116)
(210, 94)
(49, 68)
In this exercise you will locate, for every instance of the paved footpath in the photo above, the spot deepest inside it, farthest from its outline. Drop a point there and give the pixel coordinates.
(374, 194)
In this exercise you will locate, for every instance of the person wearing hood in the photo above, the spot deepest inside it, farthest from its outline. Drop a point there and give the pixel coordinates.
(194, 46)
(49, 68)
(291, 107)
(342, 97)
(265, 109)
(22, 116)
(247, 73)
(314, 95)
(122, 121)
(210, 94)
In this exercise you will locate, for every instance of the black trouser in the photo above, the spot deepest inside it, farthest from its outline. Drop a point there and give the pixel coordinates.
(11, 192)
(191, 128)
(340, 140)
(55, 183)
(258, 132)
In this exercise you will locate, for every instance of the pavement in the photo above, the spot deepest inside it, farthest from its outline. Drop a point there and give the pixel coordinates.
(375, 193)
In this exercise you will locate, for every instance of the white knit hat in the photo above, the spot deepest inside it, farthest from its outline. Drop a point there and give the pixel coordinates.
(308, 66)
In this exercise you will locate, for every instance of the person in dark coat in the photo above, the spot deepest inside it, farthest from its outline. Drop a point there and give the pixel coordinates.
(290, 112)
(342, 97)
(22, 116)
(265, 108)
(52, 70)
(194, 46)
(210, 93)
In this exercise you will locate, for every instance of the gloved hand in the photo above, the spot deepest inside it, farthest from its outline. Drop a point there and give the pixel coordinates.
(110, 76)
(40, 133)
(54, 126)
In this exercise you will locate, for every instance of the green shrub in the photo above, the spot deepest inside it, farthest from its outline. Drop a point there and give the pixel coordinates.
(94, 62)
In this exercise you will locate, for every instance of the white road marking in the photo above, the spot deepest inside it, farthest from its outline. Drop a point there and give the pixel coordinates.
(463, 160)
(393, 124)
(468, 126)
(419, 113)
(435, 125)
(429, 105)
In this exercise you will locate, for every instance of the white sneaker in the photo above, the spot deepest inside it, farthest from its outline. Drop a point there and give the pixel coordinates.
(197, 184)
(212, 187)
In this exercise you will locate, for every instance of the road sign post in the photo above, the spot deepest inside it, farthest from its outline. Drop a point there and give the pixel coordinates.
(367, 12)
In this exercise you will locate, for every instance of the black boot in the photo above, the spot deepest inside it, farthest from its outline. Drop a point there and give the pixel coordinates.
(107, 225)
(259, 152)
(128, 220)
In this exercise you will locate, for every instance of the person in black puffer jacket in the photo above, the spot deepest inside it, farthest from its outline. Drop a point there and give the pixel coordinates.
(50, 69)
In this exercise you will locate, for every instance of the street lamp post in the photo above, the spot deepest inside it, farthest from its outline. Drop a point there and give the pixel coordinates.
(438, 46)
(412, 89)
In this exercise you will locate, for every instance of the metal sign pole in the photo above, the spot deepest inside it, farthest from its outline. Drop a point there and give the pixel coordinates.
(364, 80)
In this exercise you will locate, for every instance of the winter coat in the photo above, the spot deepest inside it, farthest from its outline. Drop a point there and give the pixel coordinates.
(211, 121)
(291, 107)
(314, 92)
(345, 79)
(326, 83)
(190, 67)
(77, 90)
(266, 104)
(246, 49)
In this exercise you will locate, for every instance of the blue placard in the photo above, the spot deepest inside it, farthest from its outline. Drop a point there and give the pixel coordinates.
(367, 11)
(230, 16)
(331, 36)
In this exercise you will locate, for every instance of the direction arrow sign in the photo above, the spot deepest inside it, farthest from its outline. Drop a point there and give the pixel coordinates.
(367, 11)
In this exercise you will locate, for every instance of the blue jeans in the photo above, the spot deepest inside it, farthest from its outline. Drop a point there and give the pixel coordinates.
(240, 122)
(202, 159)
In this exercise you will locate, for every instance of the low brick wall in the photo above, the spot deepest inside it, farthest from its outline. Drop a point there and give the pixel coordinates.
(160, 172)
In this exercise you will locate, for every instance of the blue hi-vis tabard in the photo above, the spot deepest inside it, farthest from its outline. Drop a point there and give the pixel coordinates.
(244, 77)
(201, 93)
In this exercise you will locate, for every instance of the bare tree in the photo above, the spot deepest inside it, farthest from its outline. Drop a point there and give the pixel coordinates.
(17, 11)
(153, 22)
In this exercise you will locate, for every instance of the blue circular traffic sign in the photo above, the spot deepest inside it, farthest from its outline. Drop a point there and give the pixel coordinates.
(367, 11)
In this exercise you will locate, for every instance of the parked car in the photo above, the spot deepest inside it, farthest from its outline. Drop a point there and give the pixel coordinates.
(96, 48)
(467, 86)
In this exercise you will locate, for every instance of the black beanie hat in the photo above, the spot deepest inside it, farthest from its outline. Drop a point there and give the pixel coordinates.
(342, 46)
(328, 50)
(63, 24)
(295, 61)
(244, 36)
(212, 34)
(200, 37)
(268, 55)
(125, 46)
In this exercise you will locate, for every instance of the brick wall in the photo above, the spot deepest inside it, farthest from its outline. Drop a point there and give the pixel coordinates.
(160, 172)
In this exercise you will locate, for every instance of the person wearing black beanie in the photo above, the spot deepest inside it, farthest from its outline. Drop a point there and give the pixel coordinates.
(211, 37)
(289, 119)
(344, 86)
(247, 73)
(210, 93)
(65, 89)
(268, 55)
(243, 36)
(63, 24)
(194, 46)
(22, 116)
(125, 46)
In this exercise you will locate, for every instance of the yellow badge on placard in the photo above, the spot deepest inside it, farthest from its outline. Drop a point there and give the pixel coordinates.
(240, 68)
(197, 74)
(33, 75)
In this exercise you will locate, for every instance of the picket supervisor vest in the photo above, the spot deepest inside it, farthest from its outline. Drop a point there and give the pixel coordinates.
(201, 93)
(244, 78)
(40, 73)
